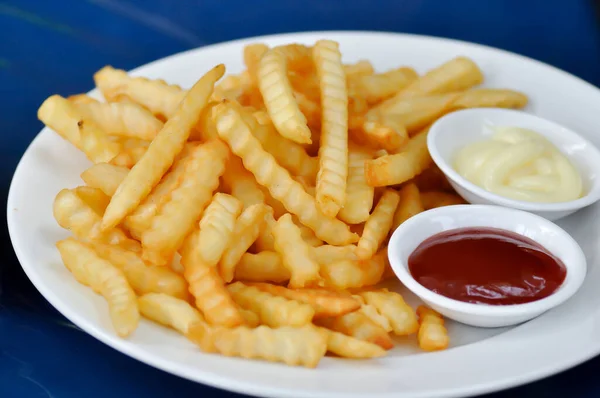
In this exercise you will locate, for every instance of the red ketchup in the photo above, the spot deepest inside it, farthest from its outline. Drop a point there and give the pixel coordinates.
(486, 266)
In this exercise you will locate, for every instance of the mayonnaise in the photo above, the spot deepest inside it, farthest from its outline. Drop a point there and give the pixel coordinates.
(520, 164)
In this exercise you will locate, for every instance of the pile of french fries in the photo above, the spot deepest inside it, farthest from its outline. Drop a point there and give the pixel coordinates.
(251, 213)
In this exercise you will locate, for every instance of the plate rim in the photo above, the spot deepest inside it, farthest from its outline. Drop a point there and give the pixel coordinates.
(213, 379)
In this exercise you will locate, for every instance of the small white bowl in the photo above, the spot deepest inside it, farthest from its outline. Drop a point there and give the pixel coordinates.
(456, 130)
(422, 226)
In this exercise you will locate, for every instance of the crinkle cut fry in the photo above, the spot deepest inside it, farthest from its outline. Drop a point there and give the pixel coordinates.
(207, 287)
(176, 217)
(279, 98)
(282, 187)
(333, 152)
(304, 346)
(162, 151)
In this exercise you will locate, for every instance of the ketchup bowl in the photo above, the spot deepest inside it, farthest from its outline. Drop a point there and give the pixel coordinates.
(456, 130)
(535, 229)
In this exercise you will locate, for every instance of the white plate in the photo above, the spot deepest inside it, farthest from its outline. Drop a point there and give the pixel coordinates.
(480, 360)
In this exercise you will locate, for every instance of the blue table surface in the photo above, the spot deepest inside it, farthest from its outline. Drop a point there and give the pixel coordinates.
(55, 46)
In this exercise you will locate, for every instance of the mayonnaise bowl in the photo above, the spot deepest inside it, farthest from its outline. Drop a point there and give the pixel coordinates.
(457, 130)
(410, 234)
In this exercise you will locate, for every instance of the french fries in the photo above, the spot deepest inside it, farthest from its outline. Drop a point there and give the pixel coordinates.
(279, 98)
(264, 184)
(61, 116)
(333, 152)
(410, 205)
(169, 311)
(295, 253)
(263, 266)
(347, 274)
(156, 95)
(207, 287)
(216, 227)
(246, 230)
(324, 302)
(350, 347)
(103, 277)
(126, 119)
(378, 225)
(391, 305)
(105, 177)
(432, 335)
(294, 346)
(268, 173)
(162, 151)
(272, 310)
(185, 204)
(142, 277)
(400, 167)
(360, 327)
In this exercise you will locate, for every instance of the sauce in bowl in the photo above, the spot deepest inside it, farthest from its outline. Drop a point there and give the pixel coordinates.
(486, 266)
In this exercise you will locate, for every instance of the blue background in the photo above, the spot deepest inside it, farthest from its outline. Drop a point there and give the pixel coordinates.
(55, 46)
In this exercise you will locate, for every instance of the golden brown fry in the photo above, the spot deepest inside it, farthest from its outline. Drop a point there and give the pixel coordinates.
(143, 278)
(103, 277)
(279, 98)
(371, 312)
(490, 97)
(381, 131)
(262, 266)
(252, 56)
(392, 306)
(381, 86)
(359, 195)
(287, 153)
(274, 311)
(217, 227)
(457, 74)
(156, 95)
(378, 225)
(410, 204)
(361, 68)
(251, 319)
(282, 187)
(310, 109)
(105, 177)
(400, 167)
(207, 287)
(169, 311)
(432, 336)
(296, 254)
(94, 198)
(324, 302)
(140, 219)
(125, 119)
(241, 183)
(432, 200)
(416, 113)
(348, 274)
(360, 327)
(73, 213)
(185, 204)
(265, 240)
(350, 347)
(333, 153)
(128, 157)
(61, 116)
(162, 151)
(205, 129)
(326, 254)
(304, 346)
(245, 232)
